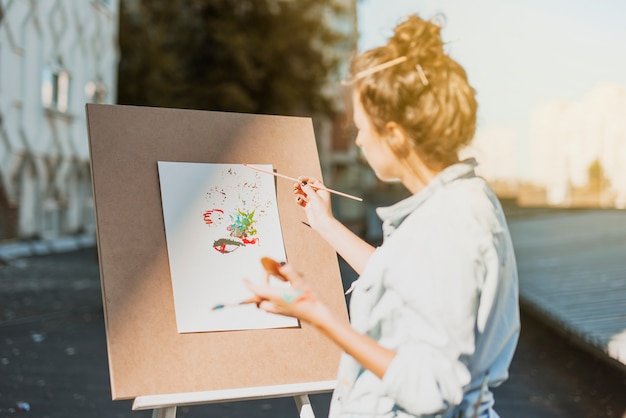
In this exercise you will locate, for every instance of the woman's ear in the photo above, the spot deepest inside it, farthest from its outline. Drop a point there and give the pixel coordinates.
(396, 136)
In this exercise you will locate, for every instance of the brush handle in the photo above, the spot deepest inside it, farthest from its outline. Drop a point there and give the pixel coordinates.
(230, 305)
(349, 196)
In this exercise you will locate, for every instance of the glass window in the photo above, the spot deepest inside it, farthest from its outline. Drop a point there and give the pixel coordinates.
(55, 89)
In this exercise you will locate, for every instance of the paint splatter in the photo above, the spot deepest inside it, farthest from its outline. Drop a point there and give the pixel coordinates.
(242, 224)
(207, 215)
(241, 231)
(225, 245)
(241, 228)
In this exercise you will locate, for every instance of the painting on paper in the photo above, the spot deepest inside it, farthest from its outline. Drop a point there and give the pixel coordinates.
(220, 219)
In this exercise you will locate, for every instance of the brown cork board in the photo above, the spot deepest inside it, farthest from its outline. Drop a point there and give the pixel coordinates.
(147, 356)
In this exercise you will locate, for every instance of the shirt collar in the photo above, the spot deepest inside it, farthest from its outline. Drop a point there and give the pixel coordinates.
(392, 216)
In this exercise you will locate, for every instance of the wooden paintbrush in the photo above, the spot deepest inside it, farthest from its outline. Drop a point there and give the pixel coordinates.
(349, 196)
(230, 305)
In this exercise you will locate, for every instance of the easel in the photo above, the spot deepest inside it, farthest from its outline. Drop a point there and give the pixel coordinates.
(164, 406)
(126, 143)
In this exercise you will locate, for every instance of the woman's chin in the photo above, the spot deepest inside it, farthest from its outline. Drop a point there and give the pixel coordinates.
(388, 179)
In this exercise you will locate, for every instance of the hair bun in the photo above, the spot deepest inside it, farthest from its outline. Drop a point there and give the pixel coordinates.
(417, 39)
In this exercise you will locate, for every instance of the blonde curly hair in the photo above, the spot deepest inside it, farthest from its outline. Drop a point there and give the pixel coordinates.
(427, 94)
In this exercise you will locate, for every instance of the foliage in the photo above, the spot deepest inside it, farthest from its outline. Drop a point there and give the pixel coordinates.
(253, 56)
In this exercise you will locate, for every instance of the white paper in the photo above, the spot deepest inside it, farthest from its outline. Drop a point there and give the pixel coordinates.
(220, 219)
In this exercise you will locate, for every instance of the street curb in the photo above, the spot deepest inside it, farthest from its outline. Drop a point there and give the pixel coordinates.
(13, 250)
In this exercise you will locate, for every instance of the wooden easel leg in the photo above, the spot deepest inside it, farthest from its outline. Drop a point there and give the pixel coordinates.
(167, 412)
(304, 406)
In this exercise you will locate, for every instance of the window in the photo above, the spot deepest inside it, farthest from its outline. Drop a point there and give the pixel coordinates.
(55, 89)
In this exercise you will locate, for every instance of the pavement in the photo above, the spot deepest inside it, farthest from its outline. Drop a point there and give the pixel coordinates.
(53, 360)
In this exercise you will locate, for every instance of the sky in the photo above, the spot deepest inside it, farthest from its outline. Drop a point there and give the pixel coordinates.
(517, 53)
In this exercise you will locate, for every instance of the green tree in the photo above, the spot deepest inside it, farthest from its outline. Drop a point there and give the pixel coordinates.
(253, 56)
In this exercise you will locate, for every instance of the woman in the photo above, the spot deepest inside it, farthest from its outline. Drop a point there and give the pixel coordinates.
(434, 313)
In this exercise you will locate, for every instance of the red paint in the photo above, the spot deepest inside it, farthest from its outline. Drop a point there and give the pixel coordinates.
(207, 215)
(221, 248)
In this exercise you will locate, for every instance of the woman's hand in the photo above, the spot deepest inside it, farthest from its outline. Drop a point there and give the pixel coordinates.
(315, 202)
(297, 301)
(300, 302)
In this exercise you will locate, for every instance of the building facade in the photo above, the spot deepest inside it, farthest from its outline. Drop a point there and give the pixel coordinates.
(55, 56)
(578, 149)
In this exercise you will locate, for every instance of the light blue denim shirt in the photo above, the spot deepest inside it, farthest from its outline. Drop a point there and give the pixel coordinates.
(441, 291)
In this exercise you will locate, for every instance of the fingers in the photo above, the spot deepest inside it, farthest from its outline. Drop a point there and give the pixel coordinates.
(298, 188)
(267, 306)
(258, 291)
(282, 304)
(276, 300)
(262, 293)
(287, 272)
(290, 273)
(307, 188)
(301, 201)
(301, 196)
(310, 180)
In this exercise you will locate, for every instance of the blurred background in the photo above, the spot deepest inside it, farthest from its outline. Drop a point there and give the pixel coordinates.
(550, 79)
(551, 139)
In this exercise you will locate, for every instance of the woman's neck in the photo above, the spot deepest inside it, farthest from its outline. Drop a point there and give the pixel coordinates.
(417, 174)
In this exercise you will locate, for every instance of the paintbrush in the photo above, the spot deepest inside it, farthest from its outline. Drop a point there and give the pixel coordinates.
(349, 196)
(230, 305)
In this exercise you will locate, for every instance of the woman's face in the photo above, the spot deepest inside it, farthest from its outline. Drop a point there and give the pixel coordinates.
(375, 148)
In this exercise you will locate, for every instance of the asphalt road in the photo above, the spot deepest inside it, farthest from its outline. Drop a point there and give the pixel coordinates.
(53, 359)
